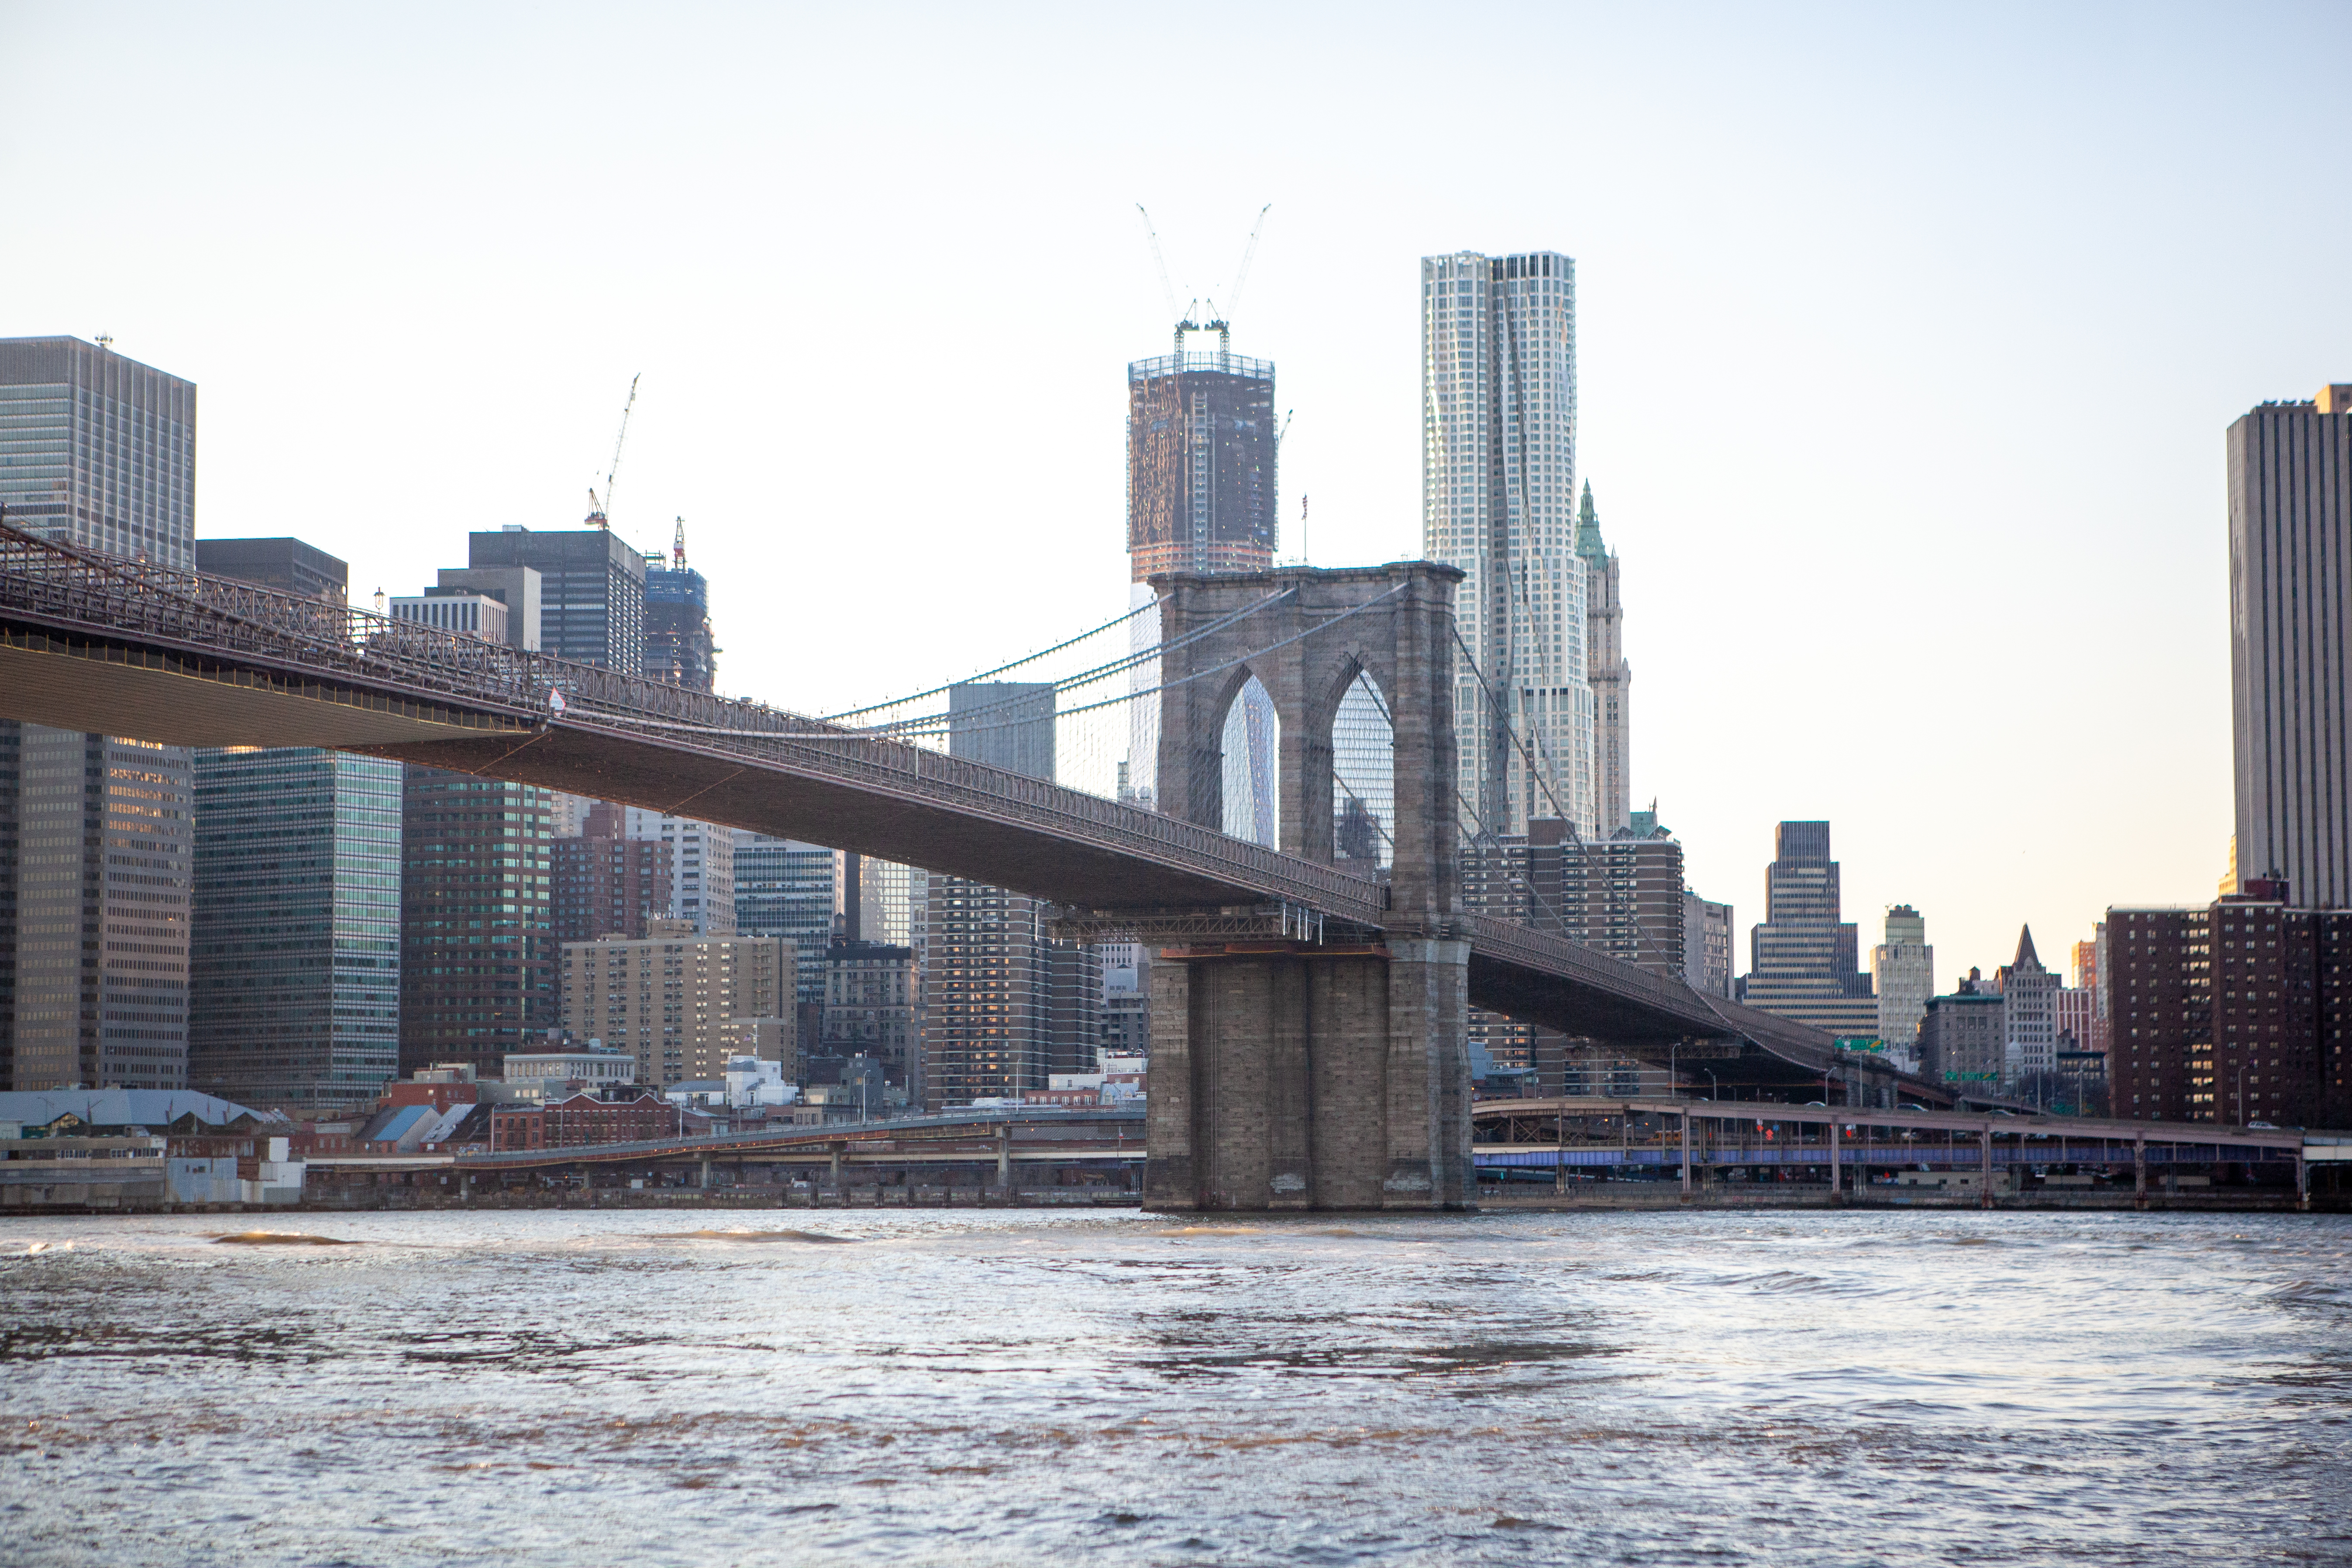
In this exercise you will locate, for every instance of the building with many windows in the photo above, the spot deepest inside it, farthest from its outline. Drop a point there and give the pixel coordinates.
(788, 888)
(1611, 676)
(870, 990)
(2290, 475)
(607, 883)
(592, 590)
(1962, 1038)
(1707, 946)
(1903, 973)
(1499, 500)
(676, 1001)
(477, 920)
(2238, 1011)
(294, 964)
(1802, 960)
(679, 647)
(2030, 1021)
(288, 565)
(95, 831)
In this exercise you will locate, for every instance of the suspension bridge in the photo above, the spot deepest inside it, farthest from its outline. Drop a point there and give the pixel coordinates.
(1309, 1013)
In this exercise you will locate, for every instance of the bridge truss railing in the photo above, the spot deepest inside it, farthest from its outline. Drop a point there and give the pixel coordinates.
(64, 585)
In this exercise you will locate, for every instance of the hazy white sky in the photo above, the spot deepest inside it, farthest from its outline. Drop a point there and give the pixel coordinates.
(1909, 337)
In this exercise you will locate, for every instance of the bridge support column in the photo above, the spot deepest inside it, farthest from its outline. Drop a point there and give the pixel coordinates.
(1984, 1143)
(1296, 1077)
(2139, 1171)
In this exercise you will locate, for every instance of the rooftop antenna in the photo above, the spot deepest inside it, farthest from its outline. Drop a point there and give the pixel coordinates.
(600, 510)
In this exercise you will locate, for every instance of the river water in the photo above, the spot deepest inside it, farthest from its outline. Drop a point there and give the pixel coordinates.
(655, 1388)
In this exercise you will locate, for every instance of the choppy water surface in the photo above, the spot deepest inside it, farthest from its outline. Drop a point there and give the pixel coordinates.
(1018, 1388)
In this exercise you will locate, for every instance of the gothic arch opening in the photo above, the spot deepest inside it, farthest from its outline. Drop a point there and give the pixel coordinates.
(1363, 778)
(1252, 747)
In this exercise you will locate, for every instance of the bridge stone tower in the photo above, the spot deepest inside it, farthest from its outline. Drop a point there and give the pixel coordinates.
(1325, 1068)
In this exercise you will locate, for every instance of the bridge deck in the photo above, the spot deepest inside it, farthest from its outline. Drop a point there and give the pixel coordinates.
(96, 642)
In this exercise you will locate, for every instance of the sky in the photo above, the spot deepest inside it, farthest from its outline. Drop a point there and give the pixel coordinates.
(1908, 339)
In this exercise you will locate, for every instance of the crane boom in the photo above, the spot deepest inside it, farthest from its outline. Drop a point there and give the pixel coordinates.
(1167, 290)
(1249, 254)
(602, 516)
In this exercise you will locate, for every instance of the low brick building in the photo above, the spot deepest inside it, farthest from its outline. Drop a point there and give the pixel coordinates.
(581, 1121)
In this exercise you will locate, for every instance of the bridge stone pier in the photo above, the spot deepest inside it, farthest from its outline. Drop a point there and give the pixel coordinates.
(1298, 1065)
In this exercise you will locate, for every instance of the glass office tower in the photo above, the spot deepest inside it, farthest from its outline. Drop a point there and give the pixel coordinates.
(1498, 499)
(294, 982)
(97, 450)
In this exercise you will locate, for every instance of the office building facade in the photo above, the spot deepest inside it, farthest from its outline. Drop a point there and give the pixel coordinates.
(592, 590)
(294, 963)
(2289, 624)
(702, 866)
(871, 991)
(1499, 500)
(1201, 462)
(477, 920)
(287, 565)
(787, 889)
(1802, 958)
(1962, 1038)
(96, 832)
(1707, 963)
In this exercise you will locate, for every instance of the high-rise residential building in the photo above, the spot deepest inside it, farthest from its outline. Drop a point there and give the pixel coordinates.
(2238, 1011)
(890, 895)
(2289, 610)
(95, 831)
(1961, 1039)
(607, 883)
(288, 565)
(678, 1003)
(477, 920)
(294, 965)
(2030, 1020)
(702, 866)
(788, 888)
(591, 604)
(1707, 946)
(1612, 678)
(679, 647)
(1127, 999)
(1499, 500)
(1903, 973)
(870, 988)
(1801, 960)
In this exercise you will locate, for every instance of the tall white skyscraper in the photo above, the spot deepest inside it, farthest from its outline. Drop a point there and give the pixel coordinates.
(1498, 499)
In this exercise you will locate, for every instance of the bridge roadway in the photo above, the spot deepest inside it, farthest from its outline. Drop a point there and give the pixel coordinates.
(95, 642)
(1549, 1133)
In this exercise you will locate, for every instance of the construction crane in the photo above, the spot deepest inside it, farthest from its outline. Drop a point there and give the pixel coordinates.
(600, 510)
(1167, 290)
(1249, 253)
(678, 547)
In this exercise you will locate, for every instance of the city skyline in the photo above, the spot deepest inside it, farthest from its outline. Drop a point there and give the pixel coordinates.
(1923, 326)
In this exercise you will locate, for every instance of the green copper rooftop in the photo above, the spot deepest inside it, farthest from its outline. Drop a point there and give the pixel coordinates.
(1588, 530)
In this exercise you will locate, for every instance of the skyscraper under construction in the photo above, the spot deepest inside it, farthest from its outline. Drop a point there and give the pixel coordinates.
(1200, 460)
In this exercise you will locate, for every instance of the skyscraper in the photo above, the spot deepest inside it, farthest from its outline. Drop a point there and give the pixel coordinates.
(1202, 496)
(592, 588)
(294, 968)
(1803, 958)
(2030, 1025)
(1498, 477)
(1902, 971)
(2290, 626)
(95, 836)
(477, 943)
(1611, 677)
(607, 883)
(786, 888)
